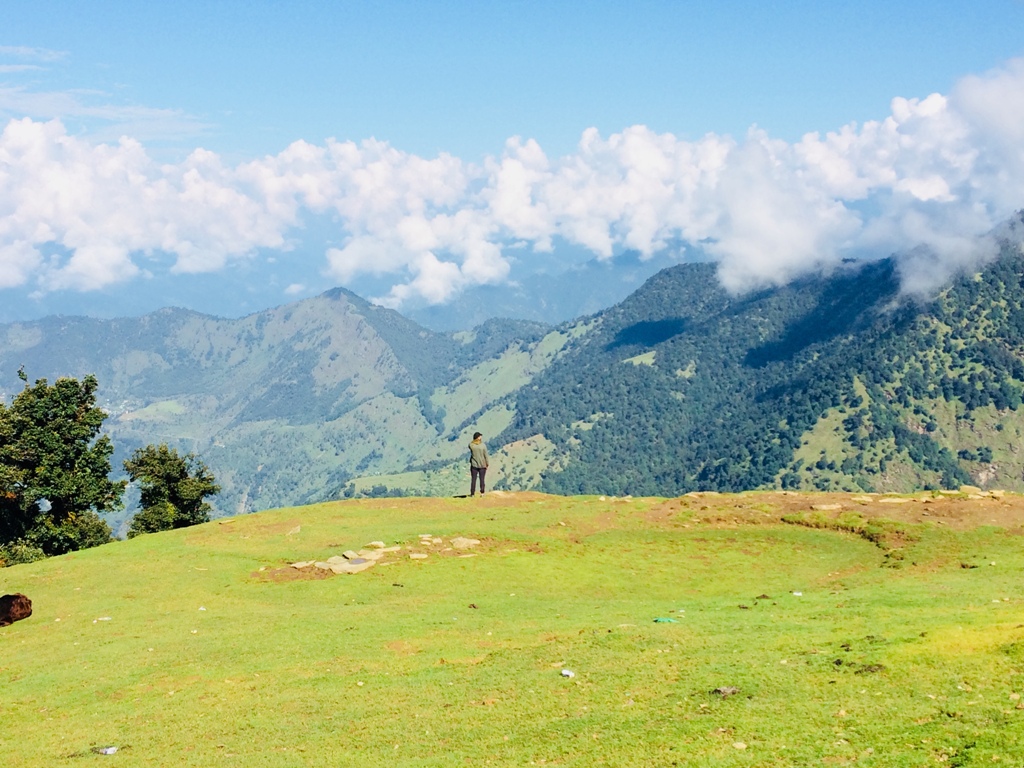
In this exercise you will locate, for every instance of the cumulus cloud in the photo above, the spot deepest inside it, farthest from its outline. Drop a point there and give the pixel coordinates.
(931, 179)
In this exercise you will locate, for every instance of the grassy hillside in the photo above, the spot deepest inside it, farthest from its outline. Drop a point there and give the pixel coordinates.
(836, 628)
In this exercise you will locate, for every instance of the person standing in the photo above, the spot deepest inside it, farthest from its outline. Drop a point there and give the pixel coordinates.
(477, 463)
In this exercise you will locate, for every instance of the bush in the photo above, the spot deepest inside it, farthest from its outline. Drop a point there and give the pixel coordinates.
(18, 552)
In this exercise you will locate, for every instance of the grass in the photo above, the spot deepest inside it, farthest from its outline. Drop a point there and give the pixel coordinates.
(911, 667)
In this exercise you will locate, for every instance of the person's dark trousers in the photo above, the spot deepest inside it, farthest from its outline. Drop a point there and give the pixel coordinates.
(476, 472)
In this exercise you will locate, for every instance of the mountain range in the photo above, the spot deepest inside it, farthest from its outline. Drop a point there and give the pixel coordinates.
(833, 382)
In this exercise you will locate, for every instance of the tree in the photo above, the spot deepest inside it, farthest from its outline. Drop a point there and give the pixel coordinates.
(54, 470)
(173, 489)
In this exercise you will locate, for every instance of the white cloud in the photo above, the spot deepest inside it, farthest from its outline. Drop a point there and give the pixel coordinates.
(30, 53)
(10, 69)
(936, 175)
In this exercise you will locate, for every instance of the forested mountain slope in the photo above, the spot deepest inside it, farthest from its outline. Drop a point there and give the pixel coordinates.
(829, 383)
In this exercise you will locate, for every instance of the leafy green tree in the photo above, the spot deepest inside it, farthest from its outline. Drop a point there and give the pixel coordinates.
(54, 470)
(173, 489)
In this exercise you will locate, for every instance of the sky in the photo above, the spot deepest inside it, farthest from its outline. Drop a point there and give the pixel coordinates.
(228, 156)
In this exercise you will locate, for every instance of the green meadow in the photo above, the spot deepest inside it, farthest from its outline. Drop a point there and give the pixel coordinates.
(700, 631)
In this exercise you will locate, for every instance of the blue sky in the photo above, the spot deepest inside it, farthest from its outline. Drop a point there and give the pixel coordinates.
(634, 125)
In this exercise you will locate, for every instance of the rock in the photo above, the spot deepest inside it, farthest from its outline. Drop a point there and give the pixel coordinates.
(826, 507)
(377, 544)
(370, 554)
(303, 564)
(461, 542)
(418, 556)
(893, 500)
(391, 549)
(726, 691)
(14, 608)
(970, 489)
(349, 554)
(355, 565)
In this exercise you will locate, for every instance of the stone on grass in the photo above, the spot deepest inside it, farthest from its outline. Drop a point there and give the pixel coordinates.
(348, 554)
(303, 564)
(461, 542)
(377, 544)
(14, 608)
(418, 556)
(893, 500)
(355, 565)
(726, 691)
(826, 507)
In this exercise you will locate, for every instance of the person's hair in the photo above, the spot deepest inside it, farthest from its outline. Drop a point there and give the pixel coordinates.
(476, 435)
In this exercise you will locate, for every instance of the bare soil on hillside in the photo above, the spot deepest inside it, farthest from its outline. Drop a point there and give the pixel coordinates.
(959, 511)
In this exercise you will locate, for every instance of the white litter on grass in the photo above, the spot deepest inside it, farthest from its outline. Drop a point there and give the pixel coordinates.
(798, 594)
(202, 608)
(107, 751)
(101, 618)
(568, 673)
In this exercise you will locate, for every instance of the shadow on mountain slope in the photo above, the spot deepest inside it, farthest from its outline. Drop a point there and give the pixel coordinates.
(848, 305)
(648, 333)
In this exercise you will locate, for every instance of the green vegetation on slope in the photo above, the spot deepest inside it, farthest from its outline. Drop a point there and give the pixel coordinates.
(207, 649)
(831, 383)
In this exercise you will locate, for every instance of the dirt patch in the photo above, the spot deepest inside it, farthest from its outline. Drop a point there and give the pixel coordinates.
(504, 498)
(960, 511)
(402, 648)
(662, 513)
(287, 573)
(283, 527)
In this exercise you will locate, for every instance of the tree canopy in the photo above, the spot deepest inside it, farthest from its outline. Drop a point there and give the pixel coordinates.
(173, 489)
(54, 470)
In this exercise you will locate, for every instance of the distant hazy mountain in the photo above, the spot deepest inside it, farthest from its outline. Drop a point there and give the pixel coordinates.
(548, 297)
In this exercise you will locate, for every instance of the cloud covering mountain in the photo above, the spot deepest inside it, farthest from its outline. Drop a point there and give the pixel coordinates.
(936, 175)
